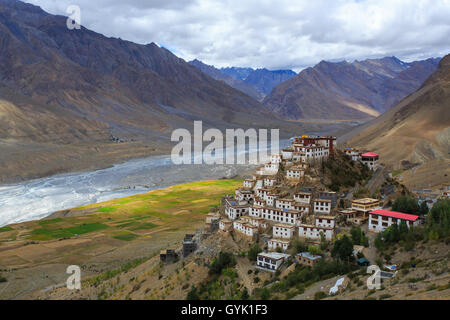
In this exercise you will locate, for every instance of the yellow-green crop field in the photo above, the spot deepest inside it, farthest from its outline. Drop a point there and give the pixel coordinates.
(174, 208)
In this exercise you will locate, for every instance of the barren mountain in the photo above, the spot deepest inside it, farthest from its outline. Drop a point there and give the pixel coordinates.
(343, 90)
(63, 89)
(414, 133)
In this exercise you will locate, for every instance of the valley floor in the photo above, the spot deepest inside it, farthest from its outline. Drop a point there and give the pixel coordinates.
(21, 161)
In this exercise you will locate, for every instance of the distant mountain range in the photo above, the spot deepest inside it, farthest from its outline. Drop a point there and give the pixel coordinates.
(67, 85)
(67, 96)
(343, 90)
(257, 83)
(416, 132)
(75, 90)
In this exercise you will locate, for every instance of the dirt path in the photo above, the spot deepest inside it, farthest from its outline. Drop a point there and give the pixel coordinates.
(324, 286)
(376, 180)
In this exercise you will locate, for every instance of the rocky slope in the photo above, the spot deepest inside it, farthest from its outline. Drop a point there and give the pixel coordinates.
(343, 90)
(99, 82)
(77, 87)
(414, 132)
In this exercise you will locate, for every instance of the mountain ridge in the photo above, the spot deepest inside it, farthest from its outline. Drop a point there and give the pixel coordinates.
(352, 90)
(415, 133)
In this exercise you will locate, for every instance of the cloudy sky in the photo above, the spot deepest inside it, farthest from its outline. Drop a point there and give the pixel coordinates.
(275, 34)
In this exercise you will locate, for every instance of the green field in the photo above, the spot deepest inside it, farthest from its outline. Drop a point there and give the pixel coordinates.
(175, 208)
(6, 229)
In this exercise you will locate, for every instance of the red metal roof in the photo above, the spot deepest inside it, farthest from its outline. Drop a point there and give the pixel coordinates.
(369, 154)
(393, 214)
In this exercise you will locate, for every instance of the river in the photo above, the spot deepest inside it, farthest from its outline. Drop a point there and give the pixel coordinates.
(37, 199)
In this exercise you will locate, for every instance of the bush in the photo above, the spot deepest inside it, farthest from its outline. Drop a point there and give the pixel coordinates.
(225, 260)
(265, 294)
(407, 205)
(193, 294)
(245, 295)
(319, 295)
(253, 252)
(299, 246)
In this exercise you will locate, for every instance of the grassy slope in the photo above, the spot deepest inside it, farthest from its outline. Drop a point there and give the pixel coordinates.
(139, 217)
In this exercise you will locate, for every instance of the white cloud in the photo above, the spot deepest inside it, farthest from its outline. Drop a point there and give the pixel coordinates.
(273, 33)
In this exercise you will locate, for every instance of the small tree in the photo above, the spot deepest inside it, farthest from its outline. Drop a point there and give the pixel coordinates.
(343, 249)
(323, 241)
(193, 294)
(314, 249)
(299, 246)
(253, 252)
(245, 295)
(265, 294)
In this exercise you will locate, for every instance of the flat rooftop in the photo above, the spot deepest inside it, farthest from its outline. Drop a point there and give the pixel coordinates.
(365, 201)
(274, 255)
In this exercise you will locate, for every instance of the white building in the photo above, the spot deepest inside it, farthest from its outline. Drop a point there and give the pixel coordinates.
(270, 261)
(271, 168)
(273, 244)
(283, 231)
(326, 221)
(303, 197)
(259, 202)
(291, 217)
(313, 232)
(270, 199)
(302, 207)
(370, 159)
(312, 151)
(276, 158)
(245, 228)
(249, 184)
(225, 225)
(244, 195)
(270, 181)
(298, 156)
(322, 206)
(284, 204)
(295, 172)
(379, 220)
(234, 210)
(353, 153)
(287, 153)
(258, 222)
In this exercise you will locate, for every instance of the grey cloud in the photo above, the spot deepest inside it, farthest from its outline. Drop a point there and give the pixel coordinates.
(273, 33)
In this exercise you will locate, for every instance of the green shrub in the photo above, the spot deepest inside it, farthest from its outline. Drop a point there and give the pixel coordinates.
(253, 252)
(224, 260)
(319, 295)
